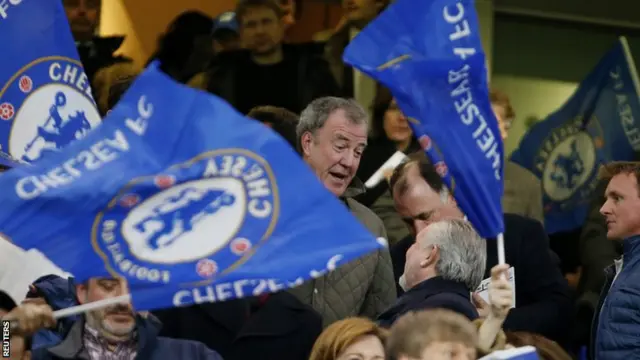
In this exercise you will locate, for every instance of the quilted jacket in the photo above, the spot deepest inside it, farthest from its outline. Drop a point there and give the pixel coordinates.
(364, 287)
(616, 327)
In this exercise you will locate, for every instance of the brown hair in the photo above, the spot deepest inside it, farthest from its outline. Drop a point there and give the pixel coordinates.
(281, 120)
(342, 334)
(413, 332)
(244, 5)
(498, 98)
(398, 180)
(547, 349)
(607, 171)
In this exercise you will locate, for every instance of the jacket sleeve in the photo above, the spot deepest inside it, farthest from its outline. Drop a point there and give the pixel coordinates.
(543, 304)
(382, 292)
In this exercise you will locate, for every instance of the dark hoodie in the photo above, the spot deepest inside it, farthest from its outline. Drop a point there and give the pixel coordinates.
(301, 77)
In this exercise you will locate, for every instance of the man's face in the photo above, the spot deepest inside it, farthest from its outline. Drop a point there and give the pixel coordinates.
(419, 255)
(83, 16)
(334, 151)
(420, 205)
(115, 322)
(289, 10)
(361, 11)
(504, 124)
(622, 207)
(261, 30)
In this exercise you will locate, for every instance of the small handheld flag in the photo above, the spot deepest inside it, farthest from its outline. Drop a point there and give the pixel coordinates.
(429, 54)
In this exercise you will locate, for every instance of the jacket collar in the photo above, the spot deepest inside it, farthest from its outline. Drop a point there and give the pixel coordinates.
(72, 346)
(437, 285)
(631, 247)
(354, 189)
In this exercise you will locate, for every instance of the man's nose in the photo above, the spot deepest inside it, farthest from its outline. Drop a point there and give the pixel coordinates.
(606, 208)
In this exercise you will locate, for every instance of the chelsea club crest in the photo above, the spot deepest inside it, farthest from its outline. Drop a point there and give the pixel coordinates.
(202, 217)
(46, 105)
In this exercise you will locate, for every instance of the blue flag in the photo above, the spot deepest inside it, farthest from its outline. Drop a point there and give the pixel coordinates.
(185, 198)
(428, 53)
(596, 125)
(45, 96)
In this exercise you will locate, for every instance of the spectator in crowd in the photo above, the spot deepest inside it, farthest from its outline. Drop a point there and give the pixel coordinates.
(225, 33)
(522, 189)
(281, 120)
(546, 349)
(268, 72)
(432, 334)
(390, 132)
(96, 53)
(353, 83)
(115, 332)
(617, 323)
(542, 301)
(443, 266)
(351, 338)
(186, 48)
(275, 326)
(111, 83)
(331, 136)
(19, 346)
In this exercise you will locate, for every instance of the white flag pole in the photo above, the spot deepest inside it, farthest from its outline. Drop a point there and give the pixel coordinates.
(632, 65)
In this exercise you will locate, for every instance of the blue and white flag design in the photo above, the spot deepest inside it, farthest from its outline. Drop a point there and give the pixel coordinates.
(429, 54)
(185, 198)
(45, 96)
(598, 124)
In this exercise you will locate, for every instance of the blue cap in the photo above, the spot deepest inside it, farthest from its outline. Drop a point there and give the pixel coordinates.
(226, 20)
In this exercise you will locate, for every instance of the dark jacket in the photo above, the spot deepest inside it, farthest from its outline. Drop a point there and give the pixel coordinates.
(431, 294)
(248, 328)
(314, 79)
(59, 293)
(543, 304)
(150, 346)
(615, 333)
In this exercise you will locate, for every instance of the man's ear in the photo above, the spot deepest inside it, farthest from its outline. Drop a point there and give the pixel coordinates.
(305, 143)
(431, 258)
(81, 292)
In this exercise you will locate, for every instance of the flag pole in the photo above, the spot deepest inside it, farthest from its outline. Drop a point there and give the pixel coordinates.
(501, 255)
(632, 65)
(95, 305)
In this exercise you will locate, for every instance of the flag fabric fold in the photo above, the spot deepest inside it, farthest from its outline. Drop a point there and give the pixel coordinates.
(185, 198)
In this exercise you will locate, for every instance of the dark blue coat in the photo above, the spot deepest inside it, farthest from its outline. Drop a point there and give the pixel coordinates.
(616, 328)
(434, 293)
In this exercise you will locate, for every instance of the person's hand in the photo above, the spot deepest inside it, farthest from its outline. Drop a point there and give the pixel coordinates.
(500, 292)
(481, 306)
(29, 318)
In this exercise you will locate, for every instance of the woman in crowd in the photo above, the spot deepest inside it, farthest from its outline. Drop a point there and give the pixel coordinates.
(350, 339)
(390, 132)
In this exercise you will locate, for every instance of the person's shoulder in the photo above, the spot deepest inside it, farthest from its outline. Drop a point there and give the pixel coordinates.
(519, 222)
(362, 212)
(517, 172)
(185, 349)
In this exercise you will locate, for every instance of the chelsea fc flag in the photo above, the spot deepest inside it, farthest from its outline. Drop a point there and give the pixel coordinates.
(598, 124)
(45, 96)
(185, 198)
